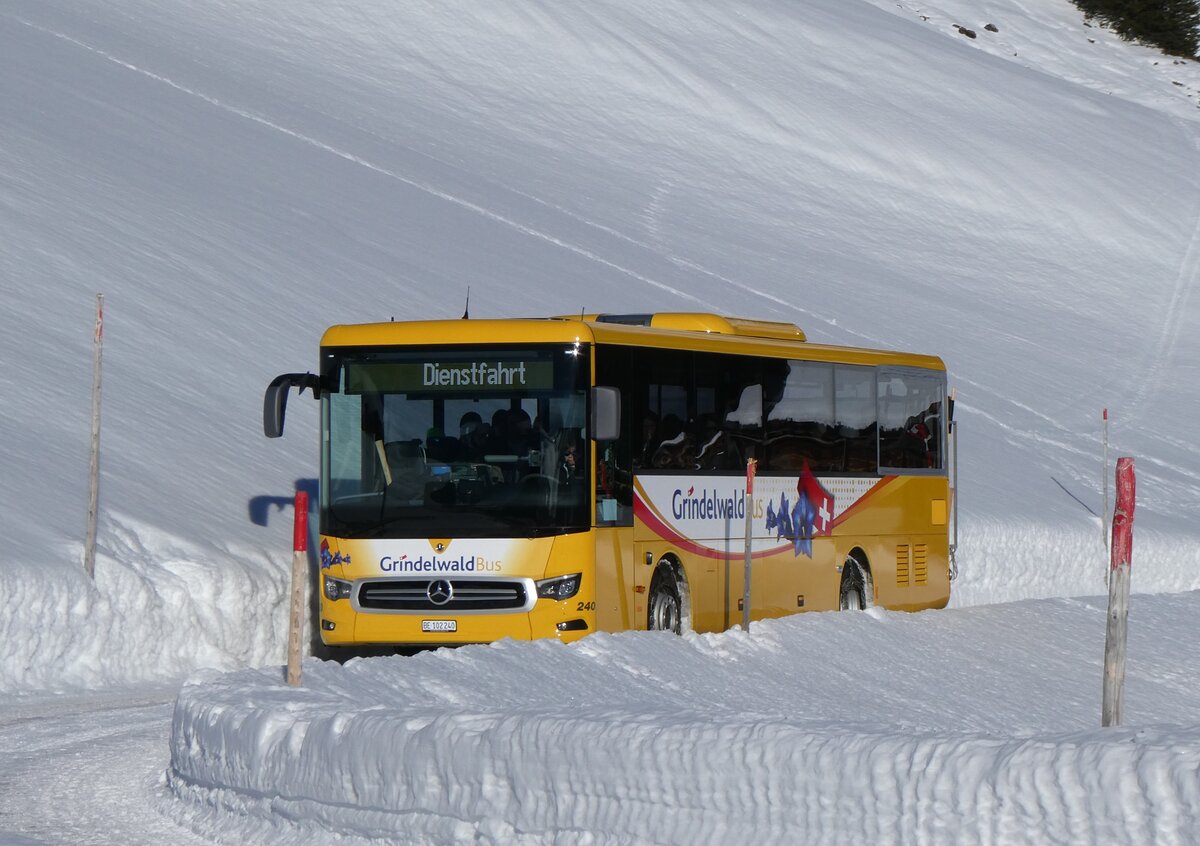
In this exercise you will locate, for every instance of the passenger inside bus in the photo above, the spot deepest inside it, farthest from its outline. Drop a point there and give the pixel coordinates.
(471, 436)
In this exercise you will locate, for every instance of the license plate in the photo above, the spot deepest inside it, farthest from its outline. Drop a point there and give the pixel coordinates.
(439, 625)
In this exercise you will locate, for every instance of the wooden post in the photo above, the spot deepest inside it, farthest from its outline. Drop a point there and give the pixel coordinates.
(299, 578)
(751, 466)
(1104, 510)
(1118, 595)
(89, 545)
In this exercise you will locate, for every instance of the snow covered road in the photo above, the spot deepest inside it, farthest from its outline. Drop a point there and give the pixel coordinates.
(86, 769)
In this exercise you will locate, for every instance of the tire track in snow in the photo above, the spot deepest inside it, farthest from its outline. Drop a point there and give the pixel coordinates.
(358, 160)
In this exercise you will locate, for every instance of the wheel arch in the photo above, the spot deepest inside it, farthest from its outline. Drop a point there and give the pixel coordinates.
(674, 565)
(857, 557)
(860, 558)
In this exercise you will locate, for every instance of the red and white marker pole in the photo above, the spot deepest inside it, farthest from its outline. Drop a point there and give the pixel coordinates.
(299, 578)
(1118, 595)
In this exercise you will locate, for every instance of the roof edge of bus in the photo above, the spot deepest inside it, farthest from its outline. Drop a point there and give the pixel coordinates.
(661, 328)
(386, 333)
(699, 321)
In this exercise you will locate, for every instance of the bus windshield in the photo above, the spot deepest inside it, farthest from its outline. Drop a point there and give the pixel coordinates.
(454, 442)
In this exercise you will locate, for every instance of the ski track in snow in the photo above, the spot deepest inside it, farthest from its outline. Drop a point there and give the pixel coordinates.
(675, 259)
(690, 265)
(382, 171)
(650, 220)
(1176, 307)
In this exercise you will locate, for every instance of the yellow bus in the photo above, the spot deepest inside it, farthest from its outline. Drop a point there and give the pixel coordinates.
(552, 477)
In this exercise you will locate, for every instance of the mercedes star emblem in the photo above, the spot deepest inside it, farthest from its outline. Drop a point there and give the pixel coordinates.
(439, 592)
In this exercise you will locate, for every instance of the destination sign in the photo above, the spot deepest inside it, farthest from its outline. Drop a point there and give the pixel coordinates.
(487, 375)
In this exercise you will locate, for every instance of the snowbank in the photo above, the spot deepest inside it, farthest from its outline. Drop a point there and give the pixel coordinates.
(1006, 561)
(160, 607)
(957, 726)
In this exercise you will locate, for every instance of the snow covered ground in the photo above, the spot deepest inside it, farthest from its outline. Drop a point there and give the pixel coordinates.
(968, 726)
(237, 175)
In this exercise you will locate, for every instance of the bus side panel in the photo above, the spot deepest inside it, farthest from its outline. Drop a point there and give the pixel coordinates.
(782, 583)
(897, 522)
(904, 536)
(785, 583)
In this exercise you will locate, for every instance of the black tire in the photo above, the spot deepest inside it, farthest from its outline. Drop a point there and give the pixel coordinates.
(857, 591)
(664, 608)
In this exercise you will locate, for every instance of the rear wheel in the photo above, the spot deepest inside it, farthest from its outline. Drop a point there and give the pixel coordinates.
(857, 593)
(665, 607)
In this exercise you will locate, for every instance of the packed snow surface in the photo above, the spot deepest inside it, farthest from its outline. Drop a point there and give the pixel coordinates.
(237, 176)
(965, 726)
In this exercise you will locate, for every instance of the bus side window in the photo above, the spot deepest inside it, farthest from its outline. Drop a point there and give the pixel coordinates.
(800, 422)
(743, 425)
(854, 407)
(664, 403)
(742, 398)
(727, 407)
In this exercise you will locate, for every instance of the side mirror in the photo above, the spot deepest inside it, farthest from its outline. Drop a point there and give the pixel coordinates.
(606, 413)
(275, 399)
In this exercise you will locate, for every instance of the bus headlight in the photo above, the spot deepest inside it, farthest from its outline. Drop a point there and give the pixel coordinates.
(337, 589)
(560, 587)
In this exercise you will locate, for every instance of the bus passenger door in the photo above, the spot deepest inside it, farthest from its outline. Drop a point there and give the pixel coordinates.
(615, 574)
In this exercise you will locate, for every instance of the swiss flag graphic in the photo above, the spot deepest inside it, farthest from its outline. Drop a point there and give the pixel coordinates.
(810, 517)
(820, 503)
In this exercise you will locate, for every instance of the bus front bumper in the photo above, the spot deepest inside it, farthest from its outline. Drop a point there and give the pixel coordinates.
(342, 625)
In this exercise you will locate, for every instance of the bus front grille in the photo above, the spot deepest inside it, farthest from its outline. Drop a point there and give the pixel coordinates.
(444, 596)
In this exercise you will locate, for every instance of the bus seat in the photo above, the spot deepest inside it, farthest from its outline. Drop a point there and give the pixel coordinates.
(406, 460)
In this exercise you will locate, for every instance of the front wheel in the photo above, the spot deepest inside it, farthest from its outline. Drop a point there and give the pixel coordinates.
(856, 591)
(665, 611)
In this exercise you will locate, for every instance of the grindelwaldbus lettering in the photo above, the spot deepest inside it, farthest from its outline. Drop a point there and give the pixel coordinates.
(433, 564)
(706, 505)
